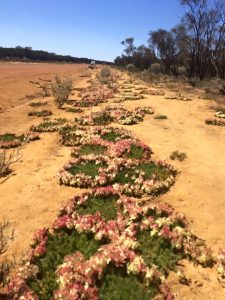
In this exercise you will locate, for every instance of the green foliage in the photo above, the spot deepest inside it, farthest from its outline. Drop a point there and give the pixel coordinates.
(158, 251)
(118, 285)
(178, 155)
(92, 149)
(135, 152)
(103, 118)
(90, 169)
(160, 117)
(67, 129)
(110, 136)
(8, 137)
(150, 169)
(74, 110)
(59, 246)
(106, 205)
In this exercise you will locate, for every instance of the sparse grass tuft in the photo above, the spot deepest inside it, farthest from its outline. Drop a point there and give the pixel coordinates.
(42, 113)
(160, 117)
(37, 104)
(176, 155)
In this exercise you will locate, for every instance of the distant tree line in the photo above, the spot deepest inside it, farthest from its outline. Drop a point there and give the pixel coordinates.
(27, 54)
(195, 46)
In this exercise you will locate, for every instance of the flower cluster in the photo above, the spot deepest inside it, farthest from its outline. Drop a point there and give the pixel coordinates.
(221, 267)
(147, 110)
(95, 118)
(106, 171)
(220, 114)
(121, 148)
(155, 92)
(80, 278)
(10, 140)
(49, 125)
(126, 175)
(215, 122)
(94, 95)
(119, 114)
(75, 136)
(124, 116)
(113, 134)
(128, 96)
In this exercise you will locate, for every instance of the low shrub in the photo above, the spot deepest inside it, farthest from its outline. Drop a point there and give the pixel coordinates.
(7, 160)
(176, 155)
(104, 75)
(155, 68)
(215, 122)
(49, 125)
(42, 113)
(160, 117)
(37, 104)
(130, 68)
(74, 110)
(95, 119)
(61, 89)
(6, 264)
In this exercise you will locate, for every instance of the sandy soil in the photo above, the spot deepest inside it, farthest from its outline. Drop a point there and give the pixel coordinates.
(31, 198)
(16, 77)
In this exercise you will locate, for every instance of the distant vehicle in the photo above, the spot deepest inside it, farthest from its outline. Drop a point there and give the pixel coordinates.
(92, 65)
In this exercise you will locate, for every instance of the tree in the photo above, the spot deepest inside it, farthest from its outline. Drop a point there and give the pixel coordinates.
(129, 46)
(164, 44)
(204, 22)
(143, 57)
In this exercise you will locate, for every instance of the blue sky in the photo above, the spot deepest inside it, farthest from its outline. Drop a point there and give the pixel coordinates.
(83, 28)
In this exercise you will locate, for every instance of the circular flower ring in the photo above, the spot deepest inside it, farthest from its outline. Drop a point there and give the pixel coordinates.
(129, 148)
(89, 171)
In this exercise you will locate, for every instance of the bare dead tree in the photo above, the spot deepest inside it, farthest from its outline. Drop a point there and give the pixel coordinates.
(7, 160)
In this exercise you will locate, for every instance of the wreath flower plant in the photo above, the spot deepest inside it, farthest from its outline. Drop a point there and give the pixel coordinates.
(120, 250)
